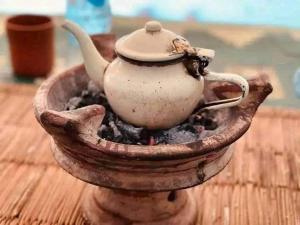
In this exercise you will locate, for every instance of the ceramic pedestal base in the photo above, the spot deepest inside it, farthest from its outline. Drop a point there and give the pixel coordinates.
(151, 171)
(110, 207)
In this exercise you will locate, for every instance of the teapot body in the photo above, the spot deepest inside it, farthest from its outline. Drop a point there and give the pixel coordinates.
(155, 97)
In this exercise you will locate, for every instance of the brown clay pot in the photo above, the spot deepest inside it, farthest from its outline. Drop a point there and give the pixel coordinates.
(142, 183)
(31, 44)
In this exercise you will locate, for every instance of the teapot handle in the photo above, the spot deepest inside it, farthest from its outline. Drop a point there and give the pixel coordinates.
(228, 77)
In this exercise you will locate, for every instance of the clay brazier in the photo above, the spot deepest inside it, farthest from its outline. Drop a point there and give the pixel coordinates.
(139, 184)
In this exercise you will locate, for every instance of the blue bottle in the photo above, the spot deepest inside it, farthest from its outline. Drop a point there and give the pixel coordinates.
(297, 83)
(94, 16)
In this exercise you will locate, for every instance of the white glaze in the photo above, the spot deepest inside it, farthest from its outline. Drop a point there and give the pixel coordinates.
(151, 44)
(154, 97)
(153, 26)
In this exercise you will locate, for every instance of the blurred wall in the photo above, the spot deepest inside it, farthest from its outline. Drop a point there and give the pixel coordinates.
(263, 12)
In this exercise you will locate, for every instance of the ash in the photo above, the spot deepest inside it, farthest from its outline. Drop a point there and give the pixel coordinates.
(116, 130)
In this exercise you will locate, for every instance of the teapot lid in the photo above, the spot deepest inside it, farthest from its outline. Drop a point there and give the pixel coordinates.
(152, 43)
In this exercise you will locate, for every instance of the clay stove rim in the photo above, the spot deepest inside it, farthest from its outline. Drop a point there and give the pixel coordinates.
(158, 152)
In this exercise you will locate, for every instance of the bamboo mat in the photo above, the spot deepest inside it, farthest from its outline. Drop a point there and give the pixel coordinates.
(261, 185)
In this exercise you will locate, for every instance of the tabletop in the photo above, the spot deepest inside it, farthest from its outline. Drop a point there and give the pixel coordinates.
(261, 184)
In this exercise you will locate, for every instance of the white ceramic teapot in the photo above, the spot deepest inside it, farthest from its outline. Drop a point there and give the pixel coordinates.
(157, 80)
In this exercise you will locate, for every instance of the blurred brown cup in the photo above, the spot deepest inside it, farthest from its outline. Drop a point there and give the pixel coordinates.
(31, 43)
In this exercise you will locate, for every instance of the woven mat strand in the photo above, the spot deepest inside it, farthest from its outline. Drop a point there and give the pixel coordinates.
(261, 184)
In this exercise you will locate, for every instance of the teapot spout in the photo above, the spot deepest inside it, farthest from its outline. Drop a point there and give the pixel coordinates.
(94, 63)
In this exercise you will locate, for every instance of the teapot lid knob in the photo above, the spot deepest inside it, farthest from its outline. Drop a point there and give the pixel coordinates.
(153, 26)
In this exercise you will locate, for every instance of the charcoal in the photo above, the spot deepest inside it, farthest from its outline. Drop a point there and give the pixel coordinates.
(208, 123)
(86, 93)
(93, 88)
(106, 132)
(196, 127)
(199, 128)
(180, 134)
(161, 137)
(73, 103)
(89, 99)
(117, 134)
(109, 116)
(130, 131)
(207, 120)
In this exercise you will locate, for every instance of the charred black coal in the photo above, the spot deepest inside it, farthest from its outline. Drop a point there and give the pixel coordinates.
(116, 130)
